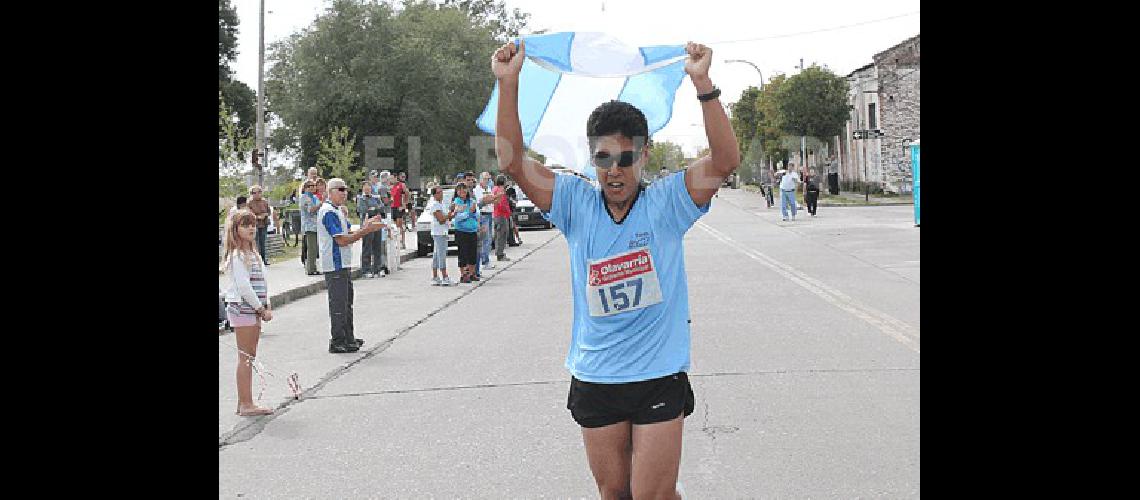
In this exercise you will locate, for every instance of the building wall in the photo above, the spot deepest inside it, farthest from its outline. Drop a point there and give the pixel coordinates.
(898, 70)
(860, 161)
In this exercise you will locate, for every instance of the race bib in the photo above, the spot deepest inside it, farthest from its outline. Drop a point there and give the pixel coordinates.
(622, 283)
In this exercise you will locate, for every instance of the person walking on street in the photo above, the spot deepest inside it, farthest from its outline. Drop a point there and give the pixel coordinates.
(247, 302)
(501, 211)
(260, 208)
(309, 206)
(630, 345)
(811, 192)
(440, 215)
(788, 192)
(335, 240)
(367, 206)
(464, 214)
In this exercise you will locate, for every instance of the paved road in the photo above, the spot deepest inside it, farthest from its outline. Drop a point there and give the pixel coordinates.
(805, 368)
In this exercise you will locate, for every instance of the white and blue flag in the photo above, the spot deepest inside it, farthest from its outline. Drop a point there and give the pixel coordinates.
(567, 75)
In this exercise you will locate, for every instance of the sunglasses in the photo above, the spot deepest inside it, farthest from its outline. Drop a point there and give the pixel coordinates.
(627, 159)
(341, 189)
(255, 192)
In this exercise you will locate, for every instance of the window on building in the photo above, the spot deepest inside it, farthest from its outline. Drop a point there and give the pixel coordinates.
(871, 116)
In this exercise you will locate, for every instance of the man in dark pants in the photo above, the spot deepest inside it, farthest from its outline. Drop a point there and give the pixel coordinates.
(368, 205)
(811, 192)
(335, 242)
(260, 208)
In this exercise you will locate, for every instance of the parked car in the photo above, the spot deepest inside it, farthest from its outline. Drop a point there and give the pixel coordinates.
(424, 241)
(527, 215)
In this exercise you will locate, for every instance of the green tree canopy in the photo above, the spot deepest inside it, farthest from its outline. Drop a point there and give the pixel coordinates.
(227, 38)
(813, 103)
(337, 157)
(421, 71)
(664, 154)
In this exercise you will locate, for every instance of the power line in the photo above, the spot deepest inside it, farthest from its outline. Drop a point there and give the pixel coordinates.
(814, 31)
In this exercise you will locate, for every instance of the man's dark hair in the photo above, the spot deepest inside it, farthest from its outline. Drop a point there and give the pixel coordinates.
(241, 200)
(620, 117)
(469, 174)
(501, 180)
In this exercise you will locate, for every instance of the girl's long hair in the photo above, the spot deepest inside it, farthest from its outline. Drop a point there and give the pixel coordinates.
(234, 244)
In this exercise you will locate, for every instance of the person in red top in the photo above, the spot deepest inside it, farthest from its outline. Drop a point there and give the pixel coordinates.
(399, 192)
(502, 217)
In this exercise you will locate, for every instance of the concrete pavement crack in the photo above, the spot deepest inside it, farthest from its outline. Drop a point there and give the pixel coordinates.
(248, 430)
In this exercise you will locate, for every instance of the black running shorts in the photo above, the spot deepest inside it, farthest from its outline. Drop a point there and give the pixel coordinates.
(646, 402)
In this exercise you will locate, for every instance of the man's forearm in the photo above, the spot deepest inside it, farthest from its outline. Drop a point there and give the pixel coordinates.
(724, 149)
(508, 130)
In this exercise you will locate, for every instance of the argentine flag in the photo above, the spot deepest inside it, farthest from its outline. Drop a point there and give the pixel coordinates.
(567, 75)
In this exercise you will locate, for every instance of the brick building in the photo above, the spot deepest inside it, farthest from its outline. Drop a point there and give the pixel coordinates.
(884, 95)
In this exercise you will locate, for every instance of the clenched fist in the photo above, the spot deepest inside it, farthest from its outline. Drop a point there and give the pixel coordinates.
(506, 63)
(697, 64)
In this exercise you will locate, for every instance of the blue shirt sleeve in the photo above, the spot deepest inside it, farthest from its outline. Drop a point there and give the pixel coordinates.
(570, 191)
(332, 223)
(672, 204)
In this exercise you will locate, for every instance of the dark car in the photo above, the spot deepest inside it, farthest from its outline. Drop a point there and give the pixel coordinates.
(527, 215)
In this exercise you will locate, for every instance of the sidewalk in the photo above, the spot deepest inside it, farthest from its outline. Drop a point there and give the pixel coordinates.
(296, 341)
(288, 281)
(849, 199)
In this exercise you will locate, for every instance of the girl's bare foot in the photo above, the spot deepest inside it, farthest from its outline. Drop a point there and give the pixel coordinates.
(253, 411)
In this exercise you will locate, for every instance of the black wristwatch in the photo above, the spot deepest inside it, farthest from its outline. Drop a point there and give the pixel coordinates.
(709, 96)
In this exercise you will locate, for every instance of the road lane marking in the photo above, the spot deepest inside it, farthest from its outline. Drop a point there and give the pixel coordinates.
(886, 323)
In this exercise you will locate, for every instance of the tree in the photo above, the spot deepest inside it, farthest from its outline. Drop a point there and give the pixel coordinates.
(664, 154)
(769, 128)
(227, 38)
(232, 144)
(337, 157)
(493, 15)
(420, 73)
(813, 103)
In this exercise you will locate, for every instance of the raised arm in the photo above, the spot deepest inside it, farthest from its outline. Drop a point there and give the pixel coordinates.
(536, 180)
(707, 174)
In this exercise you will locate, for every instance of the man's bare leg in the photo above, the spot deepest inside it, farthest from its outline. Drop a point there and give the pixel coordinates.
(657, 459)
(608, 451)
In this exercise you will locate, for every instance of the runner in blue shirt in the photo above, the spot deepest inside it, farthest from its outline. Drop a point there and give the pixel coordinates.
(629, 349)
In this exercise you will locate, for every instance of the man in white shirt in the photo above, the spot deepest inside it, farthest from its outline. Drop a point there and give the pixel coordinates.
(486, 201)
(788, 192)
(335, 241)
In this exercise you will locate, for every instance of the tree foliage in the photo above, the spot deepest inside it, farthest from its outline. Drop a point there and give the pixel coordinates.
(337, 157)
(227, 38)
(419, 71)
(813, 103)
(664, 154)
(232, 143)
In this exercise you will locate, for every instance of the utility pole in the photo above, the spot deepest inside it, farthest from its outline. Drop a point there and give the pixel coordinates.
(261, 96)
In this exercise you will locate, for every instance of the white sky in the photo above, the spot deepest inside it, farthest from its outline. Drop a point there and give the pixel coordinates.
(669, 22)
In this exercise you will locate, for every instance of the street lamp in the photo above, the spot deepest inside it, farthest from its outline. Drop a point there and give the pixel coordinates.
(260, 146)
(757, 68)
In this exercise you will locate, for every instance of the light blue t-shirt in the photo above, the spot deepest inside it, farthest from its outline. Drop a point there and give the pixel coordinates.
(631, 294)
(464, 220)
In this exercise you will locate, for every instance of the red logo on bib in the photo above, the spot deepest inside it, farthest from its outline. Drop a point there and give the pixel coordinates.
(620, 268)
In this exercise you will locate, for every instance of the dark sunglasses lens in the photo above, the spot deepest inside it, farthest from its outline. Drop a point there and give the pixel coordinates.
(342, 189)
(627, 158)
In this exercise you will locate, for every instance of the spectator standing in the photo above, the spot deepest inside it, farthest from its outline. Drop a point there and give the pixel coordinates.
(440, 215)
(335, 240)
(465, 216)
(513, 199)
(368, 206)
(501, 211)
(309, 206)
(247, 302)
(260, 208)
(399, 193)
(788, 192)
(485, 200)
